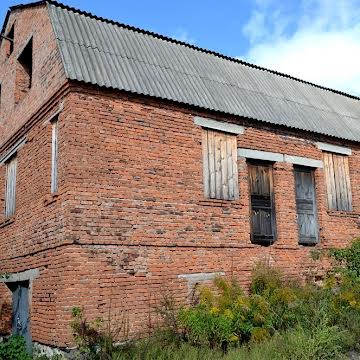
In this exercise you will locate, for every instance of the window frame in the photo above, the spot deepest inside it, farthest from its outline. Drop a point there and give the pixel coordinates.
(254, 239)
(54, 154)
(10, 187)
(219, 155)
(337, 181)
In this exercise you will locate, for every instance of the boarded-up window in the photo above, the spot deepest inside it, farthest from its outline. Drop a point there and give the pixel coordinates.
(10, 189)
(338, 189)
(220, 165)
(263, 227)
(306, 205)
(54, 157)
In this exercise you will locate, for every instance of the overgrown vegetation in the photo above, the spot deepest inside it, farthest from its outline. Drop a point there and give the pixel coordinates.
(14, 348)
(278, 319)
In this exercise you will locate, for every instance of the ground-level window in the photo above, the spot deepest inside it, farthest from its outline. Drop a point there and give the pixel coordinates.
(220, 165)
(337, 179)
(10, 188)
(262, 207)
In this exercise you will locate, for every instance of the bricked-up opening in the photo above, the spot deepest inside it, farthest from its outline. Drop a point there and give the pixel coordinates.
(9, 41)
(24, 72)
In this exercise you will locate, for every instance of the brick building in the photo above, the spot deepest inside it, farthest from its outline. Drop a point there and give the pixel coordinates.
(132, 164)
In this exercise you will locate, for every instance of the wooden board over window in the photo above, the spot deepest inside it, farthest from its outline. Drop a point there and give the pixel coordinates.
(10, 190)
(338, 189)
(306, 206)
(263, 227)
(220, 165)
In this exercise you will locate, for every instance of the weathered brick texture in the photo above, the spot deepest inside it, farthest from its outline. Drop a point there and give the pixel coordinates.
(130, 216)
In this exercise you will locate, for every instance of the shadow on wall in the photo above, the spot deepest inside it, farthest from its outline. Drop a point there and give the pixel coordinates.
(5, 318)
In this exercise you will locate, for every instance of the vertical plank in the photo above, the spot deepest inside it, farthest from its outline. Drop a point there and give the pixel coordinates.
(270, 180)
(331, 181)
(7, 196)
(211, 146)
(224, 167)
(235, 167)
(327, 180)
(206, 168)
(338, 181)
(10, 194)
(348, 183)
(342, 183)
(230, 166)
(218, 180)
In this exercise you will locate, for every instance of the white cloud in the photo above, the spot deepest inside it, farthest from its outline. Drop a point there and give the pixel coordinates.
(183, 35)
(323, 45)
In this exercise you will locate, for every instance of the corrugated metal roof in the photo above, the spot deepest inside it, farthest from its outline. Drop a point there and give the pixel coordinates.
(113, 55)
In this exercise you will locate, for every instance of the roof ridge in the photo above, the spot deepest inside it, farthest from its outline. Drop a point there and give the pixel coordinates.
(179, 42)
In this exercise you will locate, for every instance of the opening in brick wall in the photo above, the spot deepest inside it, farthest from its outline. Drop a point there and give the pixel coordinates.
(9, 41)
(24, 72)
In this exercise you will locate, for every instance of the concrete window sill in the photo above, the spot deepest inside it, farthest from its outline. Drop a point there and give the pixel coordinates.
(51, 198)
(7, 222)
(340, 213)
(220, 203)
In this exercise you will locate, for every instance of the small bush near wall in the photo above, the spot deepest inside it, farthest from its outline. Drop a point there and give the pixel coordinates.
(14, 348)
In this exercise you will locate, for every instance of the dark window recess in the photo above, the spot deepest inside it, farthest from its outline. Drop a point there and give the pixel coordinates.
(306, 206)
(9, 41)
(263, 226)
(20, 310)
(24, 72)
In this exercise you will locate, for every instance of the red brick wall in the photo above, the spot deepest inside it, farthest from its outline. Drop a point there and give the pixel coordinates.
(131, 205)
(136, 213)
(48, 73)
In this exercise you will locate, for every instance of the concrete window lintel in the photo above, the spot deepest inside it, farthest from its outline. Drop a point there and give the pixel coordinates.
(219, 125)
(20, 276)
(333, 148)
(260, 155)
(196, 277)
(303, 161)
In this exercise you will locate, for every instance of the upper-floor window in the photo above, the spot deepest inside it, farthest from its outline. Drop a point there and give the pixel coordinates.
(220, 165)
(337, 179)
(9, 41)
(10, 187)
(262, 205)
(54, 156)
(24, 70)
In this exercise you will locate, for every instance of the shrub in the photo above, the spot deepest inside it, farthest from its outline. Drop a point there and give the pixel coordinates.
(225, 316)
(349, 258)
(14, 348)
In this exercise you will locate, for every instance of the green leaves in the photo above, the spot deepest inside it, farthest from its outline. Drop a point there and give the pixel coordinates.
(14, 348)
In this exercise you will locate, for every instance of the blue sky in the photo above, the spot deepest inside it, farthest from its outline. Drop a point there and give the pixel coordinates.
(316, 40)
